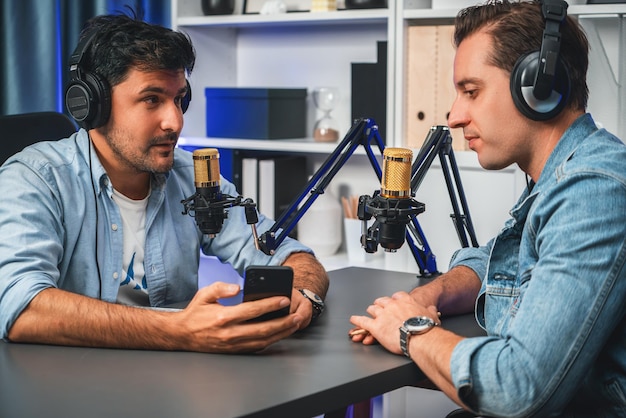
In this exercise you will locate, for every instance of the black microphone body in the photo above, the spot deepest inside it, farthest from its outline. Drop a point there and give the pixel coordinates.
(208, 206)
(392, 216)
(392, 206)
(209, 216)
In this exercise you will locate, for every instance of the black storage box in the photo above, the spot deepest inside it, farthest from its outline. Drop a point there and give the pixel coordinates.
(257, 113)
(369, 90)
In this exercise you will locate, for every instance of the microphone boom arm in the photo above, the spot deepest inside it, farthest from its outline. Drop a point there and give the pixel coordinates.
(439, 142)
(362, 132)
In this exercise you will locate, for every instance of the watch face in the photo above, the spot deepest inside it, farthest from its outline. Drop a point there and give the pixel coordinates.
(418, 323)
(312, 296)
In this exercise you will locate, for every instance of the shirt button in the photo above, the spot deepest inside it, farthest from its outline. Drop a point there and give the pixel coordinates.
(153, 269)
(115, 275)
(114, 227)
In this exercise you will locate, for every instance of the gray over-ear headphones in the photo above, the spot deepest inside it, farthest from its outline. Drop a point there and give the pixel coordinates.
(540, 82)
(88, 96)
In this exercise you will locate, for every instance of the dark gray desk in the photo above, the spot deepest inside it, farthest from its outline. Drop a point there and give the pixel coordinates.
(315, 371)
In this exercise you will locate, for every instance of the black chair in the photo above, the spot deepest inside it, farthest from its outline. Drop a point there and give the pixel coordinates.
(461, 413)
(19, 131)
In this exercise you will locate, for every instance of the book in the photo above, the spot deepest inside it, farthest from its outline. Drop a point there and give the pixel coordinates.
(249, 178)
(369, 90)
(280, 179)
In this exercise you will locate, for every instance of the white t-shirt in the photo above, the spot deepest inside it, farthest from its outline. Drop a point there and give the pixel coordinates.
(133, 287)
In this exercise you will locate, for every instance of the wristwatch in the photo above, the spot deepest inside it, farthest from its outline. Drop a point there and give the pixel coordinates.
(414, 326)
(316, 301)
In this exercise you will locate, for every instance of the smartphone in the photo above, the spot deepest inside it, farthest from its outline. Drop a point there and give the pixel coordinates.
(265, 281)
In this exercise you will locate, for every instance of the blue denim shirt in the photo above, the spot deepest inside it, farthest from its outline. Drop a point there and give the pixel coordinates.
(59, 226)
(553, 291)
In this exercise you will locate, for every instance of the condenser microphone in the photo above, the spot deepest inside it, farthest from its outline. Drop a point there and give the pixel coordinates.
(208, 204)
(392, 206)
(209, 213)
(395, 186)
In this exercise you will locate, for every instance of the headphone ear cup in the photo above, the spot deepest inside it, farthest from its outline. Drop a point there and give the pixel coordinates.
(522, 83)
(184, 104)
(88, 101)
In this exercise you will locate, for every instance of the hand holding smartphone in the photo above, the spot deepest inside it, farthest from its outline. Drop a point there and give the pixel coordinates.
(265, 281)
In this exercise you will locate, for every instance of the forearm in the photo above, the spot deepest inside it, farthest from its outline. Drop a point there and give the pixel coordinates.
(58, 317)
(452, 293)
(308, 273)
(432, 352)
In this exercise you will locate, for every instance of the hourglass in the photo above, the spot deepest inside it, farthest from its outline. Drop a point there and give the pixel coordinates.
(326, 128)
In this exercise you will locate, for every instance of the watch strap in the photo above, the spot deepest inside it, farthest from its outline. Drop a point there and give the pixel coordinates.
(316, 302)
(406, 332)
(404, 341)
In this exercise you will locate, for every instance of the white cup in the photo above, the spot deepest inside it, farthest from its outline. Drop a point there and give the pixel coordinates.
(352, 240)
(400, 260)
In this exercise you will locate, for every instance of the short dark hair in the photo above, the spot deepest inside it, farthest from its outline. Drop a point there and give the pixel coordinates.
(517, 29)
(123, 42)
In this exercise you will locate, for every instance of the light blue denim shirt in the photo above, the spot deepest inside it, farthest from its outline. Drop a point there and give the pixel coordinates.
(59, 226)
(553, 291)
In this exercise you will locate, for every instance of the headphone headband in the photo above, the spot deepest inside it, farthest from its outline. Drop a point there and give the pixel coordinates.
(77, 56)
(554, 14)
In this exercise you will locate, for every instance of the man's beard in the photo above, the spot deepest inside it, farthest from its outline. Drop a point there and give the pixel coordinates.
(139, 160)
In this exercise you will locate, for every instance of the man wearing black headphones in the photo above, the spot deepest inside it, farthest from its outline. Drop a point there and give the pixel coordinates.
(550, 289)
(92, 225)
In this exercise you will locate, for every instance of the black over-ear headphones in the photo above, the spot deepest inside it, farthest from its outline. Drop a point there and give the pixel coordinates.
(88, 96)
(540, 82)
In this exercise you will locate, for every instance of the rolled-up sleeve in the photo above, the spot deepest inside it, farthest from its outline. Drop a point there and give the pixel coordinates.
(30, 248)
(474, 258)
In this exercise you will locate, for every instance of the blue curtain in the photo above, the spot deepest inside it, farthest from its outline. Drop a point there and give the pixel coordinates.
(37, 38)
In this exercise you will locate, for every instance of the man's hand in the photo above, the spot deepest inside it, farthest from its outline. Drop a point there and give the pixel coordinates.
(387, 316)
(211, 327)
(309, 274)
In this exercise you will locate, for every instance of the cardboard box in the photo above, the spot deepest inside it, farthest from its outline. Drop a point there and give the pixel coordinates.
(429, 92)
(257, 113)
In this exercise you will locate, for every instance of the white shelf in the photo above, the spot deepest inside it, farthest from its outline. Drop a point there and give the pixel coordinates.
(310, 49)
(340, 17)
(357, 17)
(597, 9)
(464, 159)
(574, 10)
(305, 145)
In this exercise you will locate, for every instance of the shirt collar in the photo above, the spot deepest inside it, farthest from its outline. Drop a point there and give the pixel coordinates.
(573, 137)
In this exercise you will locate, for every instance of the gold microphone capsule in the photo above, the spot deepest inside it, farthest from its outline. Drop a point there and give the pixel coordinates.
(396, 175)
(206, 167)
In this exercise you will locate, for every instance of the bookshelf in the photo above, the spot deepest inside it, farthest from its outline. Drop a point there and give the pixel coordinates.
(257, 50)
(316, 49)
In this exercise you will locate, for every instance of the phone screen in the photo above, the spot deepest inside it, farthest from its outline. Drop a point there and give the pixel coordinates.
(266, 281)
